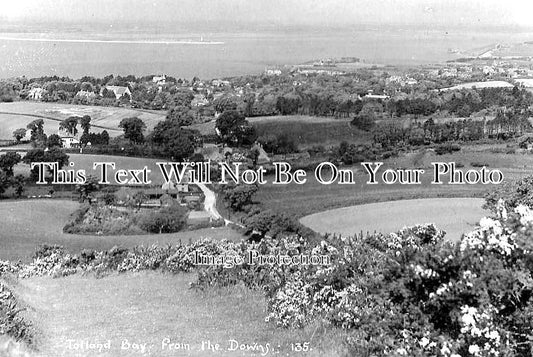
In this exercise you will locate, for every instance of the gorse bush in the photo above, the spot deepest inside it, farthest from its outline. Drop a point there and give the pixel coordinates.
(408, 293)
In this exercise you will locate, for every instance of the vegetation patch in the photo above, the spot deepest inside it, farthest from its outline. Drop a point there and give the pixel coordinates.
(12, 323)
(108, 220)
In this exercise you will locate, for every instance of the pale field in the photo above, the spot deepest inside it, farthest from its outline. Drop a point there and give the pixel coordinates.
(453, 215)
(488, 84)
(28, 223)
(19, 114)
(147, 307)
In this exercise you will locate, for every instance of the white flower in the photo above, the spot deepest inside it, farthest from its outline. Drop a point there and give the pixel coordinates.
(474, 349)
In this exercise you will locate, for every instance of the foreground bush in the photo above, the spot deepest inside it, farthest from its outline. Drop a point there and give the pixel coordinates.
(412, 293)
(408, 293)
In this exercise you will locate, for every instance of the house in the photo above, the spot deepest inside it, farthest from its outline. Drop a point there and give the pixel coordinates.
(118, 91)
(199, 100)
(273, 72)
(177, 186)
(220, 83)
(36, 93)
(86, 94)
(160, 80)
(69, 142)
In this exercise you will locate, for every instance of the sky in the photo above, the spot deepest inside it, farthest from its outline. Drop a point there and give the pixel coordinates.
(273, 12)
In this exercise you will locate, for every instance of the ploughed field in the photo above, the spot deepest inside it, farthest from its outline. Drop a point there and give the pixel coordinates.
(29, 223)
(19, 114)
(453, 215)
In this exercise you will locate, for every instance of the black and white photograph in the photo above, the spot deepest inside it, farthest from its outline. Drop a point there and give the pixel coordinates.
(339, 178)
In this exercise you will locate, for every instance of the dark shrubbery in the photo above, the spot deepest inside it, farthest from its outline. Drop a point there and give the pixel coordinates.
(102, 219)
(164, 220)
(447, 148)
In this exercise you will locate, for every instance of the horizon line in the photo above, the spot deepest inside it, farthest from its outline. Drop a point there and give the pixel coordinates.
(151, 42)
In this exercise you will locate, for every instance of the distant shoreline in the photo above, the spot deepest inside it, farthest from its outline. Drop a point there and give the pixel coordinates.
(172, 42)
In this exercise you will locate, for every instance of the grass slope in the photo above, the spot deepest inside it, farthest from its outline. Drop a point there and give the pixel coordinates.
(304, 129)
(147, 307)
(454, 215)
(26, 224)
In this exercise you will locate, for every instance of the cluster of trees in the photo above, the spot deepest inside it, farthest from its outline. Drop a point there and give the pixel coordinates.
(238, 197)
(278, 144)
(506, 125)
(233, 129)
(8, 161)
(7, 177)
(463, 103)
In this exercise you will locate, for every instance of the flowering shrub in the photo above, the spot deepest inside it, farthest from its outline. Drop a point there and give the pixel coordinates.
(409, 293)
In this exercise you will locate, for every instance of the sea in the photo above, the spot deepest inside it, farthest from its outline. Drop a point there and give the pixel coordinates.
(224, 53)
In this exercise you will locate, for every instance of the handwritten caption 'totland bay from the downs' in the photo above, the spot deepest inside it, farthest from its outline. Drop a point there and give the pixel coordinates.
(283, 173)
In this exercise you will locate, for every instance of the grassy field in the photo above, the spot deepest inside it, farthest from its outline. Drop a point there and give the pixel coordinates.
(83, 161)
(487, 84)
(313, 197)
(308, 131)
(304, 129)
(454, 215)
(146, 308)
(18, 114)
(27, 224)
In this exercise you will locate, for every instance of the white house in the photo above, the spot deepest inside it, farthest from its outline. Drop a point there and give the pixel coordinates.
(118, 91)
(70, 142)
(160, 80)
(36, 93)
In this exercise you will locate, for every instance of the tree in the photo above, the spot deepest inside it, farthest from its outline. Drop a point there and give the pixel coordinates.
(133, 129)
(54, 141)
(8, 161)
(181, 115)
(85, 123)
(36, 129)
(239, 196)
(39, 155)
(173, 141)
(5, 182)
(19, 134)
(70, 125)
(139, 198)
(234, 129)
(165, 220)
(87, 188)
(19, 182)
(364, 122)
